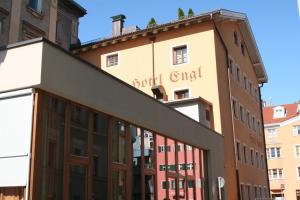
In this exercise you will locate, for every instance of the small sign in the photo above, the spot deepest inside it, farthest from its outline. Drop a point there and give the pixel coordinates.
(221, 182)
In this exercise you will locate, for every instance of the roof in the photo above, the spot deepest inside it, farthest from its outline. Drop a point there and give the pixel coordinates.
(291, 111)
(74, 6)
(220, 14)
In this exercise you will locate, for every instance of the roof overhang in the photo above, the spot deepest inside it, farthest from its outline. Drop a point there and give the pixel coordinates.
(217, 15)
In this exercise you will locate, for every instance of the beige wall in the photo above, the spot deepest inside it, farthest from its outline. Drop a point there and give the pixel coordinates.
(286, 140)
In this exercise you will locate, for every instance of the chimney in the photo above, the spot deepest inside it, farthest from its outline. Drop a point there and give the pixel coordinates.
(117, 24)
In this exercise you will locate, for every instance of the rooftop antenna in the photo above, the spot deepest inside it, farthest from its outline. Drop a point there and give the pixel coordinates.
(270, 101)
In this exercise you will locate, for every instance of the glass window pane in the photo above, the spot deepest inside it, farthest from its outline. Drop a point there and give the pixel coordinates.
(136, 138)
(79, 131)
(149, 187)
(189, 160)
(197, 173)
(118, 185)
(53, 151)
(171, 155)
(119, 141)
(161, 167)
(78, 183)
(148, 149)
(100, 156)
(181, 158)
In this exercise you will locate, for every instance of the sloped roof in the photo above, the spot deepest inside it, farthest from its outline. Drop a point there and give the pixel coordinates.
(291, 111)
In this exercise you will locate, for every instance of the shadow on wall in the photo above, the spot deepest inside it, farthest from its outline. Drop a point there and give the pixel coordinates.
(3, 52)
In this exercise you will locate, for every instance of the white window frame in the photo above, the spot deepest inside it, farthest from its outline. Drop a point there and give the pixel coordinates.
(274, 133)
(296, 130)
(179, 89)
(172, 54)
(295, 150)
(111, 54)
(276, 156)
(277, 177)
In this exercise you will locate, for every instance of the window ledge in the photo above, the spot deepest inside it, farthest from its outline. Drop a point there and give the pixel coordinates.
(35, 13)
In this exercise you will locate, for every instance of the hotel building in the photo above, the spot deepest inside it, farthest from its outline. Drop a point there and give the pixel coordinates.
(69, 130)
(282, 128)
(56, 20)
(208, 67)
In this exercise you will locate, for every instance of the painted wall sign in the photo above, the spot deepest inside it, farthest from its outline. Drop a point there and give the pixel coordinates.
(174, 77)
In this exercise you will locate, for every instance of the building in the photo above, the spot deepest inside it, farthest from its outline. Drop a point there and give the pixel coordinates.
(88, 135)
(282, 128)
(213, 56)
(57, 20)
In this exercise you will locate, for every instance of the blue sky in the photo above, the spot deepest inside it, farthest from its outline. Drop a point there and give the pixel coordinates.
(275, 24)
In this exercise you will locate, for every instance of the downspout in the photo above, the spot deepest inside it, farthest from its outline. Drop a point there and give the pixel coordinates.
(152, 38)
(230, 98)
(264, 139)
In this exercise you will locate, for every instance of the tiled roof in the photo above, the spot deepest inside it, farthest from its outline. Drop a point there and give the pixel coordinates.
(291, 111)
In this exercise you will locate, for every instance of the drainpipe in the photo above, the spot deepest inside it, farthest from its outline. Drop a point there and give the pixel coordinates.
(230, 98)
(152, 39)
(264, 139)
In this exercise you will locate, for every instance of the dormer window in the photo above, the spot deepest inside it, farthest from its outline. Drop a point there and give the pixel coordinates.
(298, 109)
(279, 112)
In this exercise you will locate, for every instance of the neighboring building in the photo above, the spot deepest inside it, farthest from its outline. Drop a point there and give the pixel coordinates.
(56, 20)
(213, 56)
(88, 135)
(282, 133)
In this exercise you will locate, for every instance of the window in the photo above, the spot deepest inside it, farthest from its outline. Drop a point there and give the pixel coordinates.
(297, 150)
(277, 173)
(298, 194)
(245, 154)
(234, 108)
(259, 127)
(245, 82)
(250, 88)
(243, 48)
(112, 60)
(249, 119)
(252, 156)
(257, 159)
(238, 151)
(253, 123)
(35, 4)
(242, 113)
(231, 66)
(279, 112)
(273, 152)
(1, 25)
(180, 55)
(235, 38)
(238, 74)
(181, 94)
(298, 172)
(271, 132)
(296, 130)
(59, 27)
